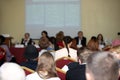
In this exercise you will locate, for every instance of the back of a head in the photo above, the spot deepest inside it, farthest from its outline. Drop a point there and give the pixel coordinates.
(46, 63)
(11, 71)
(44, 43)
(31, 52)
(2, 39)
(83, 53)
(93, 44)
(103, 66)
(67, 40)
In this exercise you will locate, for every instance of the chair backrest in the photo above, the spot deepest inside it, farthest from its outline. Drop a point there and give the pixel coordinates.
(2, 55)
(61, 74)
(60, 63)
(27, 70)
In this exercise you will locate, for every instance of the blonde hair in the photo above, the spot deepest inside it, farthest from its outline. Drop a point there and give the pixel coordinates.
(46, 63)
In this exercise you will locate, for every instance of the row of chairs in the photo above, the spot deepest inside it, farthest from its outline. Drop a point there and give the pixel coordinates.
(60, 63)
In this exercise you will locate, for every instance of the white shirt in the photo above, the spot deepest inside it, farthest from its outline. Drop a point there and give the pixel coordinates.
(64, 53)
(35, 76)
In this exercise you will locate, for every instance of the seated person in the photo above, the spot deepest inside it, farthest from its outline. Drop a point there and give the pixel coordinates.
(66, 51)
(101, 41)
(53, 43)
(46, 68)
(9, 56)
(59, 39)
(77, 69)
(80, 40)
(93, 44)
(45, 34)
(31, 54)
(26, 40)
(11, 71)
(102, 66)
(44, 45)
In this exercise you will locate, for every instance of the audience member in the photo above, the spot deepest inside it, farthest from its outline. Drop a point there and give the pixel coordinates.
(3, 45)
(31, 54)
(93, 44)
(11, 71)
(45, 34)
(77, 69)
(116, 50)
(26, 40)
(2, 55)
(45, 70)
(53, 43)
(101, 41)
(66, 51)
(59, 39)
(44, 45)
(102, 66)
(80, 40)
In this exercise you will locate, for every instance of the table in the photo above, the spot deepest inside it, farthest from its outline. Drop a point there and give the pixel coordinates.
(18, 53)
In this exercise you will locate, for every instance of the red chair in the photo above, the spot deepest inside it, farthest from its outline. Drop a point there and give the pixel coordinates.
(61, 73)
(60, 63)
(2, 55)
(27, 70)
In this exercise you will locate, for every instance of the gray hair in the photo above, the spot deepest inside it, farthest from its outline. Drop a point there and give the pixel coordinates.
(103, 66)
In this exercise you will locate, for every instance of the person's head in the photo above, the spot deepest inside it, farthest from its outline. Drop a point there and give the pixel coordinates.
(93, 44)
(2, 39)
(80, 34)
(60, 36)
(100, 37)
(27, 35)
(67, 41)
(31, 52)
(83, 53)
(44, 43)
(44, 34)
(116, 51)
(46, 66)
(11, 71)
(102, 66)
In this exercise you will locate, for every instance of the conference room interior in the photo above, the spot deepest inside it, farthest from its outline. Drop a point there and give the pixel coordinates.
(96, 16)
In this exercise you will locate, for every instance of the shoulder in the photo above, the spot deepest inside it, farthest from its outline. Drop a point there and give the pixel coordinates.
(33, 76)
(84, 37)
(54, 78)
(76, 38)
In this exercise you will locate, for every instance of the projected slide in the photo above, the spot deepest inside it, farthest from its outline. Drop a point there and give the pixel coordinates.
(52, 16)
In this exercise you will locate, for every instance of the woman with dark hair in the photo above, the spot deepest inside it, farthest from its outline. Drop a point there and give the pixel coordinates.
(93, 44)
(45, 34)
(101, 41)
(66, 51)
(67, 41)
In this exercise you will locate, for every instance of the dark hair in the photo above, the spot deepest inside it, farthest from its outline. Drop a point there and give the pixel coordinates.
(93, 44)
(101, 37)
(2, 39)
(67, 40)
(54, 42)
(44, 43)
(45, 33)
